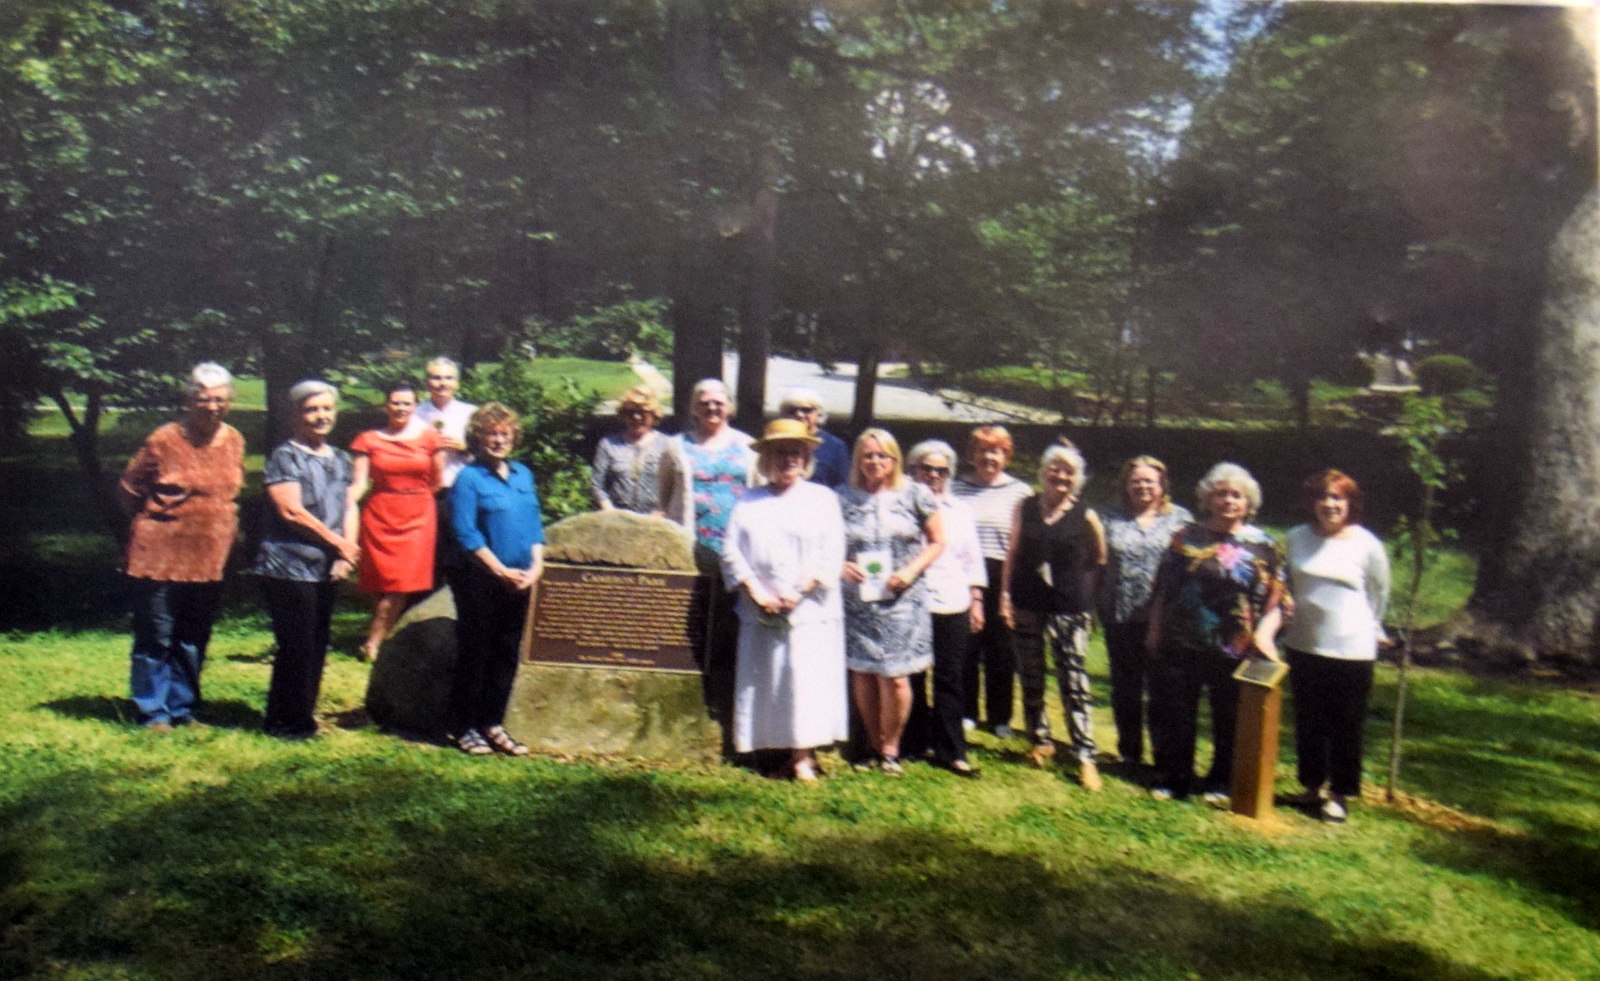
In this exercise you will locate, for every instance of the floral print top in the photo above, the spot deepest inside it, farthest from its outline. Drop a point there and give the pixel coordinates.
(1214, 589)
(1132, 555)
(719, 478)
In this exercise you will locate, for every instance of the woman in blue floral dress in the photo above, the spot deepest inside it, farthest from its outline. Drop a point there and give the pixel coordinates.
(1218, 600)
(893, 531)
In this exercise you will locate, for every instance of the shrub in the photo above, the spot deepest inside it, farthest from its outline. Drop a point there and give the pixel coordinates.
(607, 333)
(554, 420)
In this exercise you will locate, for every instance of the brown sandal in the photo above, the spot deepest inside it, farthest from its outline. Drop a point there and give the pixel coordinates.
(497, 737)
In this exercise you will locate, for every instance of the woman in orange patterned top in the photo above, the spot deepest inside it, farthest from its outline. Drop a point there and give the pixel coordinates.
(179, 489)
(397, 469)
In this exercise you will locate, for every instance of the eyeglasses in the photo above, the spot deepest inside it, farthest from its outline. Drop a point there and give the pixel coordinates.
(933, 471)
(633, 413)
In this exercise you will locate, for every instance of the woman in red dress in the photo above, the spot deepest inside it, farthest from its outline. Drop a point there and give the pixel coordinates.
(400, 465)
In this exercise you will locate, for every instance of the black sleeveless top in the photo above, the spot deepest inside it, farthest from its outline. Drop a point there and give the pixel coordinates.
(1066, 547)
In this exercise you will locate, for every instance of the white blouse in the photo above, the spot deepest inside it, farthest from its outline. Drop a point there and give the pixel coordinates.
(959, 566)
(1340, 587)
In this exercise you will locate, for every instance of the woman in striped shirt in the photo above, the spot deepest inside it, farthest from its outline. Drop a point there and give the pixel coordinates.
(992, 495)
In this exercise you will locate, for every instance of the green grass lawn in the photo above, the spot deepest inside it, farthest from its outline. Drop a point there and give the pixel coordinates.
(219, 853)
(608, 378)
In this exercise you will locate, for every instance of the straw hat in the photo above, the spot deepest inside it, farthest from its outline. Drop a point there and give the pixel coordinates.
(786, 431)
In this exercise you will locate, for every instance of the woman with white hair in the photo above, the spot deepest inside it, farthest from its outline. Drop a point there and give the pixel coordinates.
(782, 554)
(1218, 600)
(308, 545)
(956, 581)
(707, 468)
(179, 490)
(1056, 552)
(704, 472)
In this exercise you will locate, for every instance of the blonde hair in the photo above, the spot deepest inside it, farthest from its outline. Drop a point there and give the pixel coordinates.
(768, 455)
(889, 445)
(1064, 451)
(492, 415)
(640, 397)
(1126, 470)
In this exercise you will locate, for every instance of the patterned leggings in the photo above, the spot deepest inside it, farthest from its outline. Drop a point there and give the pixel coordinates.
(1069, 638)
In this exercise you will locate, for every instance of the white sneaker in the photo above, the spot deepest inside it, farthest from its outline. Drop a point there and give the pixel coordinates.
(1333, 810)
(1160, 793)
(1216, 798)
(967, 725)
(1003, 731)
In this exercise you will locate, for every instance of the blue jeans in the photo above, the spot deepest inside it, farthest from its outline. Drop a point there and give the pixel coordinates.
(171, 628)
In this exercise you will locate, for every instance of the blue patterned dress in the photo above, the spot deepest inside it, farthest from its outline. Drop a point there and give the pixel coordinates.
(719, 478)
(894, 637)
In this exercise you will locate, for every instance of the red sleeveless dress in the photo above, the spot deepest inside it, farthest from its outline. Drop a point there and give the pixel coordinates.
(399, 522)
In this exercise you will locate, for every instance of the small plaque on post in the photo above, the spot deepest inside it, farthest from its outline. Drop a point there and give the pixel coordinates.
(607, 617)
(1259, 671)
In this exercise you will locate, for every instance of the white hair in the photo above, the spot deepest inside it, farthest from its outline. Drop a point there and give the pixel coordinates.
(309, 389)
(1065, 452)
(1228, 475)
(443, 362)
(803, 398)
(708, 385)
(208, 374)
(932, 447)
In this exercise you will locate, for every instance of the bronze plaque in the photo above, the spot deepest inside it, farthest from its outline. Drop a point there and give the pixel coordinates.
(608, 617)
(1260, 671)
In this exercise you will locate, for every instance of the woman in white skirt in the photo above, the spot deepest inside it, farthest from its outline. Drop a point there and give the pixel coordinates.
(783, 555)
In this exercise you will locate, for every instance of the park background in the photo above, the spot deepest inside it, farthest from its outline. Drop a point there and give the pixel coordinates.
(1156, 227)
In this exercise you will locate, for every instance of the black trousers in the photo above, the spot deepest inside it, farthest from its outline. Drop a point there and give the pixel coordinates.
(990, 648)
(1130, 681)
(302, 613)
(489, 619)
(1330, 713)
(1176, 711)
(951, 632)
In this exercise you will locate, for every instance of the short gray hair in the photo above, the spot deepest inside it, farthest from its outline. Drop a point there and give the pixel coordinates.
(309, 389)
(443, 362)
(1065, 452)
(708, 384)
(803, 398)
(1228, 475)
(208, 374)
(929, 447)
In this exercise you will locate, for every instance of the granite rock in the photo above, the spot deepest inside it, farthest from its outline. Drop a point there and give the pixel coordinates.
(637, 541)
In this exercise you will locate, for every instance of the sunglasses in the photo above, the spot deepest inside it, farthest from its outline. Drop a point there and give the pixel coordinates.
(933, 471)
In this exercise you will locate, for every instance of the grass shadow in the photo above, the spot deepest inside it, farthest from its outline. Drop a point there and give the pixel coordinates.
(223, 714)
(574, 874)
(1556, 860)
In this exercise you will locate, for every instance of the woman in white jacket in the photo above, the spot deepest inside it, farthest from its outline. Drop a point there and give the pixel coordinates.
(1339, 578)
(783, 554)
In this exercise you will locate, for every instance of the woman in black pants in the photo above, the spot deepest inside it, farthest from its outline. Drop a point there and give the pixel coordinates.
(1138, 532)
(494, 511)
(304, 551)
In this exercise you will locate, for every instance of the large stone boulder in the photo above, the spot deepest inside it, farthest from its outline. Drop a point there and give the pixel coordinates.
(410, 684)
(637, 541)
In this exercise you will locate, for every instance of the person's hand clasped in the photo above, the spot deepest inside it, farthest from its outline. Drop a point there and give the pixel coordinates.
(854, 573)
(898, 582)
(341, 569)
(517, 580)
(349, 551)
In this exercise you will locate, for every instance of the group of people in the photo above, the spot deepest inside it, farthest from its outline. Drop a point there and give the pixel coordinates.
(374, 511)
(848, 576)
(860, 571)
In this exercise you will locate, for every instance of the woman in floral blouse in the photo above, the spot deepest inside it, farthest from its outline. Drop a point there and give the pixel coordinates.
(1218, 600)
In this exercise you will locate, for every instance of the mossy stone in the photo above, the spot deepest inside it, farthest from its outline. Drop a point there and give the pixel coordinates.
(637, 541)
(410, 684)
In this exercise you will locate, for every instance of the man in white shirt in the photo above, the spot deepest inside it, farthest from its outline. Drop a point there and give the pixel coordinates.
(448, 414)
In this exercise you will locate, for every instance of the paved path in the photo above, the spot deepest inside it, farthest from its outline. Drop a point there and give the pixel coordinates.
(896, 398)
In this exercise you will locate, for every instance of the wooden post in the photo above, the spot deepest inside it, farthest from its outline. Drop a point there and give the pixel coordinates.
(1255, 747)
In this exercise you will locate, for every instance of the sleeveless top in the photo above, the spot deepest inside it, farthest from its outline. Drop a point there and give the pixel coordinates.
(1047, 576)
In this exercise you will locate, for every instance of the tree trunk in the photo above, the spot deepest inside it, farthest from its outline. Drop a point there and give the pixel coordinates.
(1549, 579)
(866, 383)
(85, 440)
(755, 328)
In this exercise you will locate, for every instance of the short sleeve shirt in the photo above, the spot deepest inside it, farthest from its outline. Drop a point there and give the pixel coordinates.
(1215, 588)
(1132, 555)
(287, 552)
(187, 519)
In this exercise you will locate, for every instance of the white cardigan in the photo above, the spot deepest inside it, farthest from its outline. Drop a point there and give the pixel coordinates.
(1341, 590)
